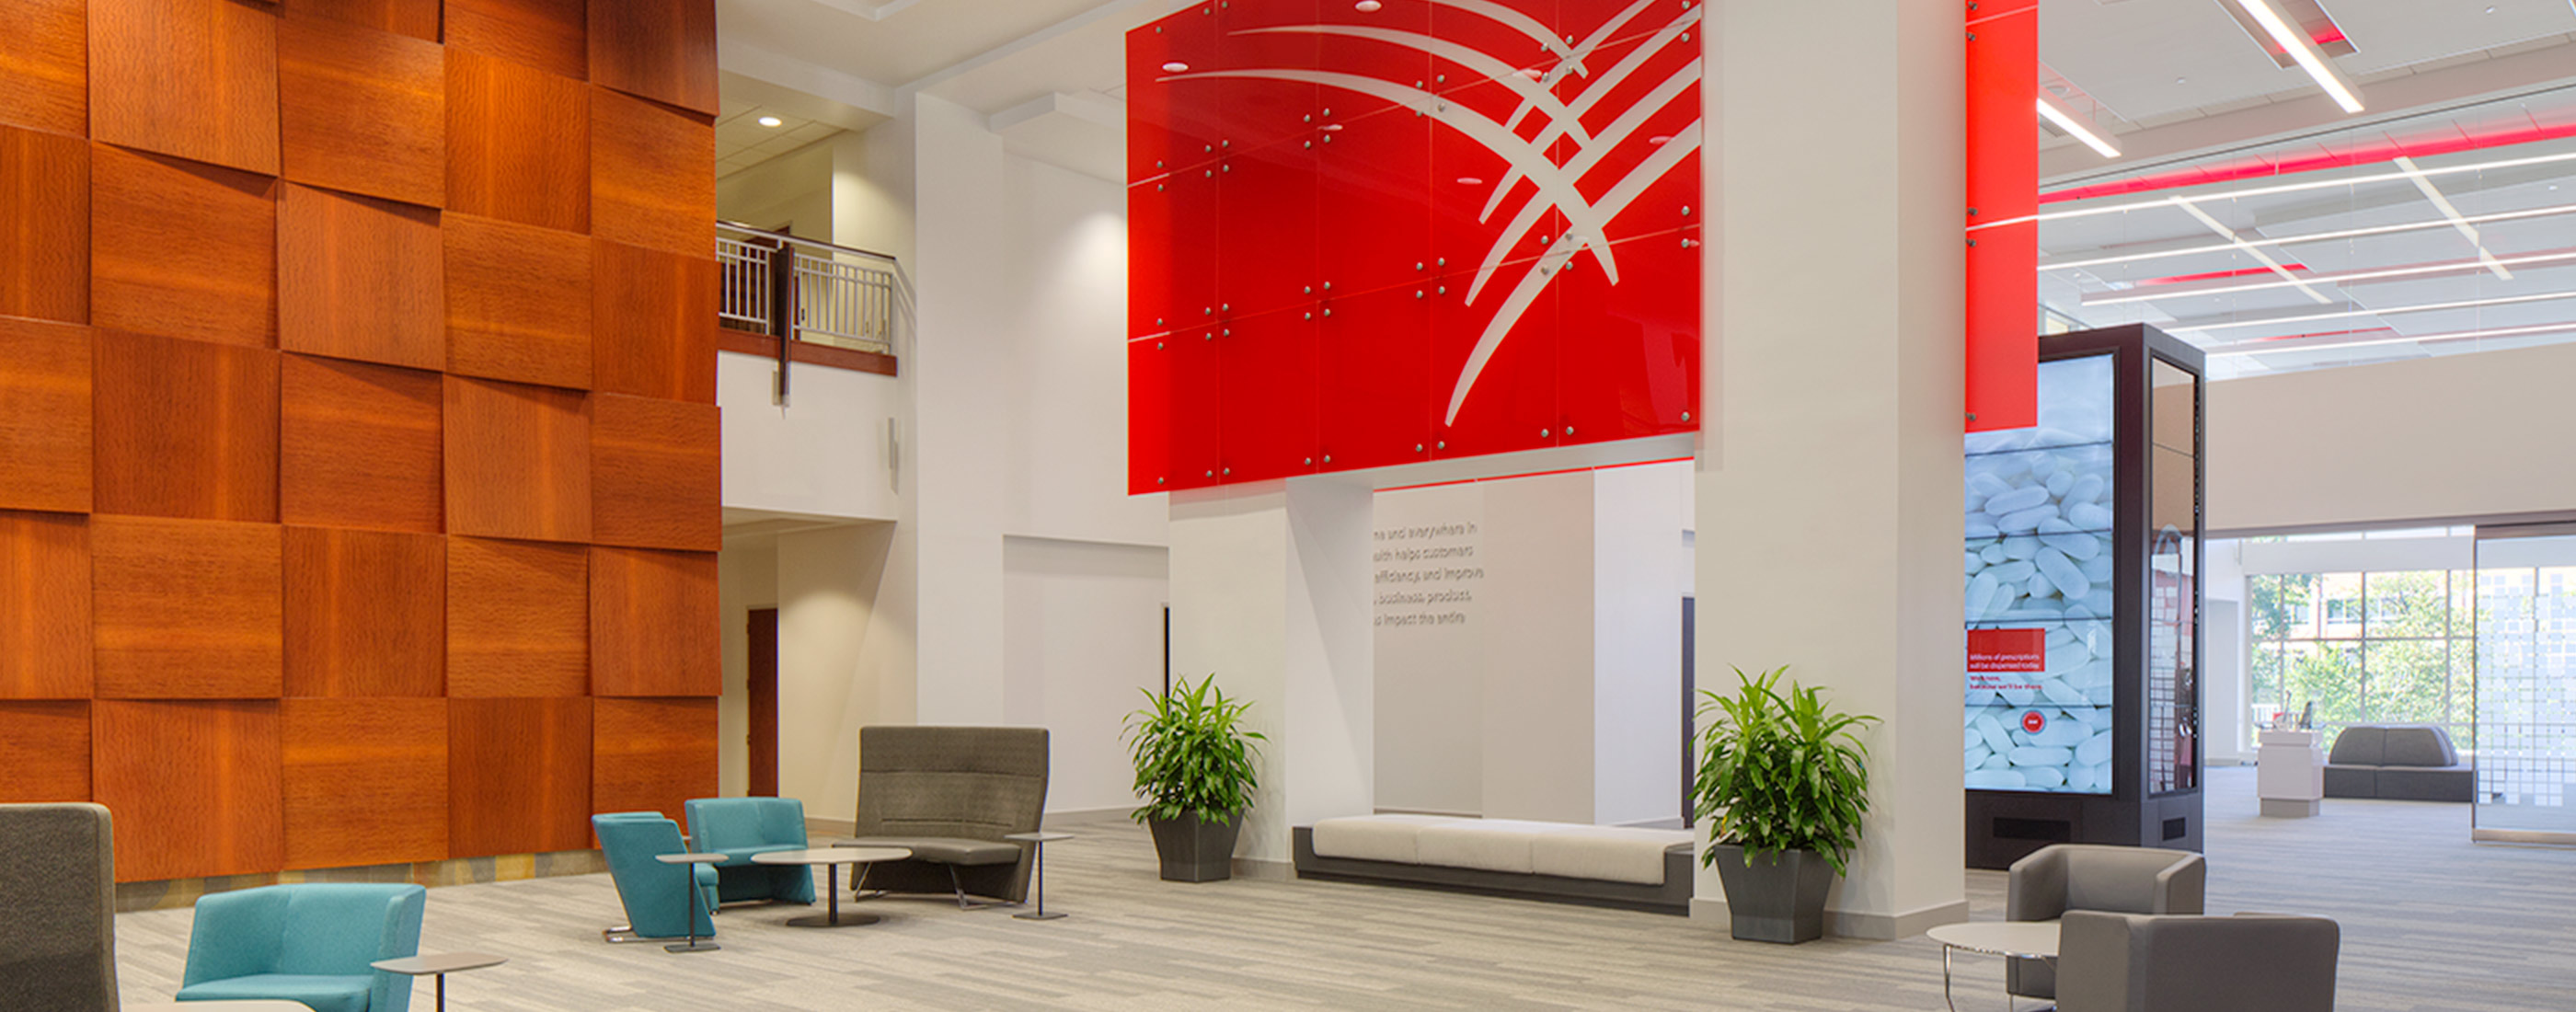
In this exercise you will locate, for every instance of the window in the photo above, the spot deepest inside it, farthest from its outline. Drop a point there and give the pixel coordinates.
(2391, 647)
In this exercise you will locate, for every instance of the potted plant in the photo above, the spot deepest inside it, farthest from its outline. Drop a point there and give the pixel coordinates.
(1783, 782)
(1194, 769)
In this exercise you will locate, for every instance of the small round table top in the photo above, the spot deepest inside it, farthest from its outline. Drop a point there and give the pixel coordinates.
(2033, 939)
(448, 962)
(833, 855)
(689, 858)
(1038, 837)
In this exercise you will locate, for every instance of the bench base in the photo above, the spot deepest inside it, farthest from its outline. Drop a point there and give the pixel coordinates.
(1672, 897)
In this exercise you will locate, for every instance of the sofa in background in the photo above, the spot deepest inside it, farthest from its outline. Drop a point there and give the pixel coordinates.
(654, 894)
(58, 888)
(308, 943)
(1606, 866)
(739, 828)
(2247, 963)
(2398, 762)
(2057, 880)
(951, 794)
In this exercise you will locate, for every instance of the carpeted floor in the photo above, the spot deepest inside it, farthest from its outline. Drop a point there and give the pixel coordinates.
(2432, 924)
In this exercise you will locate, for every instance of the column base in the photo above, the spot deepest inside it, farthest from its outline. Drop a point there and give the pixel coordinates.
(2280, 808)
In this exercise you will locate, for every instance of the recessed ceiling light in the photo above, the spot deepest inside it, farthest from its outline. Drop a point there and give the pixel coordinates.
(1660, 139)
(771, 121)
(1372, 7)
(1470, 181)
(1176, 67)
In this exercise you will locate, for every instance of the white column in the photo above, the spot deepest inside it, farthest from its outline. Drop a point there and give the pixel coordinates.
(1270, 593)
(1830, 482)
(1537, 638)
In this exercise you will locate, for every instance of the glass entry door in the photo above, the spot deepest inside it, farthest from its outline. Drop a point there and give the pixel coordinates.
(2525, 741)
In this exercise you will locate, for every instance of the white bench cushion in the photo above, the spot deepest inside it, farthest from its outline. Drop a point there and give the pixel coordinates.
(1607, 853)
(1487, 844)
(1373, 837)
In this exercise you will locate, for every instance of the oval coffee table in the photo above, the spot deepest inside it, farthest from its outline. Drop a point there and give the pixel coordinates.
(832, 858)
(2010, 939)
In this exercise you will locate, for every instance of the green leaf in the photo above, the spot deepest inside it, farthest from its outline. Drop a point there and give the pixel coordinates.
(1781, 770)
(1192, 753)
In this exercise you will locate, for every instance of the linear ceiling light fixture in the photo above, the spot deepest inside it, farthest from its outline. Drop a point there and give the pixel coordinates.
(2281, 344)
(2066, 120)
(2304, 50)
(2267, 191)
(2116, 298)
(2259, 256)
(2429, 307)
(2288, 240)
(2452, 214)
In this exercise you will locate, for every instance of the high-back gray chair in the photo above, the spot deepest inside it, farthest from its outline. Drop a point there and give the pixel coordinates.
(951, 794)
(58, 888)
(2066, 877)
(2246, 963)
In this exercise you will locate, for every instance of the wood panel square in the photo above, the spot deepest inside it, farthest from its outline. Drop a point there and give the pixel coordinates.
(184, 428)
(360, 279)
(44, 416)
(653, 322)
(518, 619)
(518, 302)
(44, 70)
(518, 143)
(362, 110)
(44, 608)
(415, 18)
(653, 625)
(44, 223)
(664, 50)
(652, 755)
(518, 776)
(358, 445)
(187, 609)
(654, 478)
(366, 613)
(45, 748)
(364, 781)
(549, 35)
(652, 176)
(182, 249)
(192, 78)
(194, 785)
(517, 460)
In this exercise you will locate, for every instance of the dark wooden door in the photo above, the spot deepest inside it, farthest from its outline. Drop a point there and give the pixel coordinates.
(763, 695)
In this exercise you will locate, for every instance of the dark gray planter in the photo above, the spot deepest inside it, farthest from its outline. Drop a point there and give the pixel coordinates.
(1193, 850)
(1776, 898)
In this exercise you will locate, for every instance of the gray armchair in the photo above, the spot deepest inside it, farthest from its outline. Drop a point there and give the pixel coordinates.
(951, 794)
(58, 940)
(2245, 963)
(2067, 877)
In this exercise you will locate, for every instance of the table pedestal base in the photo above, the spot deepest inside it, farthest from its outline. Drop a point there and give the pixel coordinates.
(1039, 915)
(832, 920)
(693, 945)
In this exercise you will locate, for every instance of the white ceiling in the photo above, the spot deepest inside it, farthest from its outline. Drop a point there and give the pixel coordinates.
(742, 141)
(892, 43)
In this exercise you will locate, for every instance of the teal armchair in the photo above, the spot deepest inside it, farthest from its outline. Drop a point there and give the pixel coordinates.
(654, 893)
(308, 943)
(741, 827)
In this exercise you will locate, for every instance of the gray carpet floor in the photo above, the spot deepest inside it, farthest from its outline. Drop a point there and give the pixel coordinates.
(2432, 923)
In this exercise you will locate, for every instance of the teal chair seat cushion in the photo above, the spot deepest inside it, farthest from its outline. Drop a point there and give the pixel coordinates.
(321, 992)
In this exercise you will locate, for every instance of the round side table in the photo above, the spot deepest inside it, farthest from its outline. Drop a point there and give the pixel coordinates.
(1039, 840)
(2010, 939)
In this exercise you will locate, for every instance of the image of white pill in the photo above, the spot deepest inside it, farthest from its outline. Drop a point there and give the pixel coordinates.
(1986, 485)
(2020, 546)
(2005, 780)
(2062, 571)
(2086, 515)
(2087, 488)
(2042, 776)
(1992, 731)
(1976, 756)
(2059, 483)
(1981, 526)
(2096, 749)
(2031, 755)
(2025, 521)
(1998, 762)
(2010, 572)
(2076, 546)
(2017, 500)
(2058, 691)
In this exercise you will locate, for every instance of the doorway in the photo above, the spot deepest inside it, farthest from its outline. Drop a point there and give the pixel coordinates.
(761, 693)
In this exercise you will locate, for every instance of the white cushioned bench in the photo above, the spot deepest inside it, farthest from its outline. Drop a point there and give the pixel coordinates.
(1602, 865)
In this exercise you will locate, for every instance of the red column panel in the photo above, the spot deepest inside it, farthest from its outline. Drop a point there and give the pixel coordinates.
(1374, 383)
(1511, 402)
(2003, 184)
(1266, 251)
(1149, 415)
(1372, 202)
(195, 787)
(1267, 418)
(1257, 112)
(44, 607)
(1174, 120)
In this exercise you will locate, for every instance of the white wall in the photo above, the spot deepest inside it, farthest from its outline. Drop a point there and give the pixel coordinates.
(844, 660)
(825, 453)
(1538, 634)
(1640, 572)
(2393, 445)
(1083, 634)
(746, 578)
(793, 190)
(1430, 727)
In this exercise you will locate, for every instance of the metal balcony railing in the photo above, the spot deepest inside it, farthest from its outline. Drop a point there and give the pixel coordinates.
(802, 290)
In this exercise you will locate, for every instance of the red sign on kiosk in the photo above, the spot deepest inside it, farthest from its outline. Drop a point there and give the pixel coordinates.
(1996, 652)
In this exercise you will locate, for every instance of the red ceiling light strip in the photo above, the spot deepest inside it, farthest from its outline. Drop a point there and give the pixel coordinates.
(2386, 150)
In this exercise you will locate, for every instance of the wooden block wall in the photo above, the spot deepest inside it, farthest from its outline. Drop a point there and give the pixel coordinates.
(358, 449)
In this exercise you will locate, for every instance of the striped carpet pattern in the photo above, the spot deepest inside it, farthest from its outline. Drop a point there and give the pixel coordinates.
(2432, 923)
